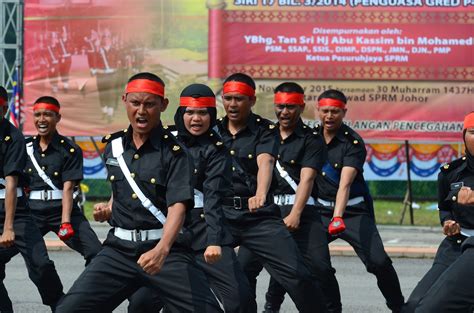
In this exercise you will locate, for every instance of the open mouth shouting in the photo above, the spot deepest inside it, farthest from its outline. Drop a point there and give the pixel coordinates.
(141, 122)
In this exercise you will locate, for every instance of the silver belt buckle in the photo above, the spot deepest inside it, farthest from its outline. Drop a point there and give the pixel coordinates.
(45, 195)
(138, 235)
(237, 203)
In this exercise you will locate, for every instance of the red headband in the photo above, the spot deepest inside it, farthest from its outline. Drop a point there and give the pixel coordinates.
(328, 102)
(46, 106)
(469, 121)
(289, 98)
(145, 85)
(2, 102)
(201, 102)
(239, 87)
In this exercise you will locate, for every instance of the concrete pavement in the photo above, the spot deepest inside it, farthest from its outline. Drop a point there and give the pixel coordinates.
(399, 241)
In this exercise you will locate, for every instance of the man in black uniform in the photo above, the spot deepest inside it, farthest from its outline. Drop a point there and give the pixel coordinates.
(206, 232)
(253, 217)
(301, 157)
(452, 291)
(345, 203)
(151, 191)
(55, 161)
(456, 219)
(18, 231)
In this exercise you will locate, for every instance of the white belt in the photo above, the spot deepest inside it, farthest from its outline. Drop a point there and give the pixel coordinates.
(467, 232)
(46, 195)
(290, 199)
(138, 235)
(350, 202)
(19, 193)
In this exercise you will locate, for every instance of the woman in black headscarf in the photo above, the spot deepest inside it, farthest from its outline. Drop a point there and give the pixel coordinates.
(210, 240)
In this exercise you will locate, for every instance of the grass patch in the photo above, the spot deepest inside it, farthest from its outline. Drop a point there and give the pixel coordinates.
(386, 213)
(390, 212)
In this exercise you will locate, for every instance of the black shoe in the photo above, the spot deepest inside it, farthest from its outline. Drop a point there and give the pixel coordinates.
(270, 308)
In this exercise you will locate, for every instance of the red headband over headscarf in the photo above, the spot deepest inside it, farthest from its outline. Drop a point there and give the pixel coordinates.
(328, 102)
(289, 98)
(201, 102)
(145, 85)
(239, 87)
(46, 106)
(468, 121)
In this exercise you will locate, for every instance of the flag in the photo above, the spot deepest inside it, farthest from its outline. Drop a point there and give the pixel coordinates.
(16, 103)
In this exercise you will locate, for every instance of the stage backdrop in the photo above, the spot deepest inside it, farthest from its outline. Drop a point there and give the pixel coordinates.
(407, 66)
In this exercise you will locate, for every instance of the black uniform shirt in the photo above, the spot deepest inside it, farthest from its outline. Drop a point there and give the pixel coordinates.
(162, 169)
(62, 161)
(303, 148)
(258, 136)
(12, 158)
(450, 179)
(346, 149)
(212, 177)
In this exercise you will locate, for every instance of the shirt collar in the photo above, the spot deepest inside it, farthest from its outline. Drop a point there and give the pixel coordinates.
(55, 141)
(298, 131)
(154, 139)
(252, 123)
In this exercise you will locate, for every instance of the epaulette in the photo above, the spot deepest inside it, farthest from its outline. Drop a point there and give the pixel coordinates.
(110, 137)
(265, 123)
(309, 130)
(216, 139)
(68, 145)
(171, 141)
(351, 138)
(7, 135)
(453, 164)
(170, 128)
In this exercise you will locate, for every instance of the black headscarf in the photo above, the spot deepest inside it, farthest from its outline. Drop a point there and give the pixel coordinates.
(194, 91)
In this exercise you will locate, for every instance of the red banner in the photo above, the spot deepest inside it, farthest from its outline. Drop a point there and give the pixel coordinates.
(348, 45)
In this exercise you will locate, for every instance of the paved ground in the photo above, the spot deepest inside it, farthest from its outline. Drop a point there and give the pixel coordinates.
(411, 247)
(399, 241)
(358, 288)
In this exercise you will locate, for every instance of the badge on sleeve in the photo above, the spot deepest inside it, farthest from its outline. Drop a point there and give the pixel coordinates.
(457, 185)
(112, 162)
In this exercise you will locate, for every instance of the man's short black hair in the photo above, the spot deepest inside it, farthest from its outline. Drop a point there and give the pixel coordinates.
(49, 100)
(333, 94)
(3, 93)
(243, 78)
(289, 87)
(147, 75)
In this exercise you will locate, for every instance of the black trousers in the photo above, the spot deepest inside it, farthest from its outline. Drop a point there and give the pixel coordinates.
(267, 237)
(226, 278)
(312, 242)
(453, 291)
(362, 234)
(84, 241)
(114, 275)
(29, 242)
(448, 251)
